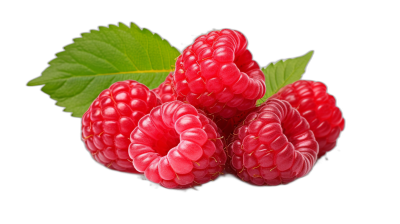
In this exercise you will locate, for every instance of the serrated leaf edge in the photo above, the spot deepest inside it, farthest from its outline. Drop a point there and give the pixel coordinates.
(34, 81)
(31, 82)
(305, 56)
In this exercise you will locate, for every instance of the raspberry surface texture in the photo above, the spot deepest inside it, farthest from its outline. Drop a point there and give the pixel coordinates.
(319, 108)
(217, 74)
(111, 118)
(177, 146)
(273, 146)
(166, 93)
(166, 90)
(228, 125)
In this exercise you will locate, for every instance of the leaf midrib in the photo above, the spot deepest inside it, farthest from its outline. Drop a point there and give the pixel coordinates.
(285, 80)
(116, 73)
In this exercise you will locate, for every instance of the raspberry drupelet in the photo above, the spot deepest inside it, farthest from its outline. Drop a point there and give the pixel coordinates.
(177, 146)
(166, 90)
(109, 121)
(217, 74)
(318, 108)
(273, 145)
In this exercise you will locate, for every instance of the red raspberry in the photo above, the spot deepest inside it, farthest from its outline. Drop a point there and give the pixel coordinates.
(318, 108)
(111, 118)
(274, 145)
(227, 126)
(166, 90)
(177, 146)
(217, 73)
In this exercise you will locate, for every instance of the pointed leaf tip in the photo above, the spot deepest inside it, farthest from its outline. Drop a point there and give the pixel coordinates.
(101, 57)
(284, 72)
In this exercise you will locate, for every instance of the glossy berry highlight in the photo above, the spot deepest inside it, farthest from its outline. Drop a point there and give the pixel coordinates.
(274, 145)
(177, 146)
(217, 74)
(109, 121)
(319, 108)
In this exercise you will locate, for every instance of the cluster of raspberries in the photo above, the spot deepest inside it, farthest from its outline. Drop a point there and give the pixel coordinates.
(204, 121)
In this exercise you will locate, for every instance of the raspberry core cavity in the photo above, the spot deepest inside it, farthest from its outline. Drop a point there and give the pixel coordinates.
(274, 145)
(177, 146)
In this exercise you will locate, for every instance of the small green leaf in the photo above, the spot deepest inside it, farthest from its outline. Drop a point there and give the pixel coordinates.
(99, 58)
(283, 73)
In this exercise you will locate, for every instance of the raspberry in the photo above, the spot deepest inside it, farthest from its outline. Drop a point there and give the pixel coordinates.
(227, 126)
(111, 118)
(273, 146)
(318, 108)
(177, 146)
(217, 74)
(166, 90)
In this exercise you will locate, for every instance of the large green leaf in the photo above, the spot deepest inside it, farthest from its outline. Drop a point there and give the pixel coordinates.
(99, 58)
(282, 73)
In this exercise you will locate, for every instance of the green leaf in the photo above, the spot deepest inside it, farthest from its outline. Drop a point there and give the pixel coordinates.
(282, 73)
(99, 58)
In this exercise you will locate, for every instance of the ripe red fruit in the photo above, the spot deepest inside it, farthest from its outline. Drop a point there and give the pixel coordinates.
(274, 145)
(111, 118)
(177, 146)
(318, 108)
(217, 74)
(166, 90)
(228, 125)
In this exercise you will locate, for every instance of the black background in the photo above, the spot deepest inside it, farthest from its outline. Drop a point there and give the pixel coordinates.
(59, 172)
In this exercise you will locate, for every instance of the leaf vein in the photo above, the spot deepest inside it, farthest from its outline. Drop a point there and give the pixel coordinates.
(169, 56)
(162, 58)
(124, 53)
(148, 54)
(125, 49)
(285, 81)
(117, 73)
(83, 89)
(81, 63)
(100, 58)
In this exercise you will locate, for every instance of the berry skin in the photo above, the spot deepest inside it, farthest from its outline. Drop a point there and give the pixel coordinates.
(177, 146)
(111, 118)
(319, 108)
(273, 146)
(166, 90)
(217, 74)
(166, 93)
(227, 126)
